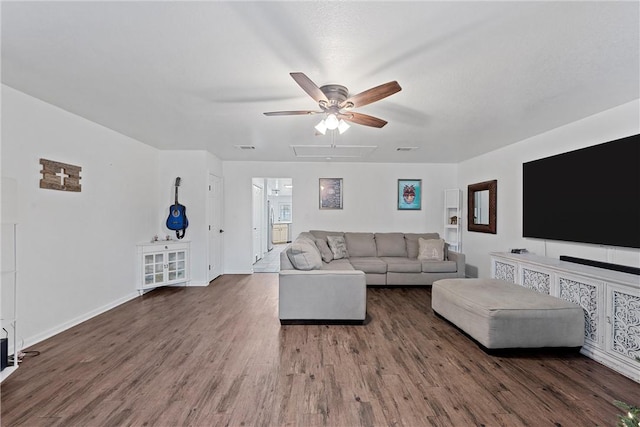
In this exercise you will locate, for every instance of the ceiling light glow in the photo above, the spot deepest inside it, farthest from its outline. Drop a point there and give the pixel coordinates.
(321, 127)
(331, 121)
(343, 126)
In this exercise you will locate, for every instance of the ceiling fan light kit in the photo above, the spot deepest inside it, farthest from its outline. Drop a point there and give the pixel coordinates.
(321, 127)
(343, 126)
(332, 123)
(334, 101)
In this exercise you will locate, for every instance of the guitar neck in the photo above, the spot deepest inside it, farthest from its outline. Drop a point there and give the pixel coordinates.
(177, 185)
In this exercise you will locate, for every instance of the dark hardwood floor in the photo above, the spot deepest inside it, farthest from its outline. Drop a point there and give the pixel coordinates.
(218, 356)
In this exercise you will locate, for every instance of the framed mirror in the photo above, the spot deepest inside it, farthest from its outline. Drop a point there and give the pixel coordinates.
(482, 207)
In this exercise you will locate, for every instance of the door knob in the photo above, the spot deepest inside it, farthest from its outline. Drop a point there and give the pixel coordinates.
(221, 230)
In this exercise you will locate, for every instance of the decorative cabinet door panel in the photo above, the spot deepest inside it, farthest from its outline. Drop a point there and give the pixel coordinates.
(153, 268)
(623, 322)
(537, 279)
(504, 270)
(176, 269)
(587, 294)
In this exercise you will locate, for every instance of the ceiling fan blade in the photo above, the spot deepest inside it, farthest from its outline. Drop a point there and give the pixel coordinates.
(310, 87)
(363, 119)
(372, 95)
(292, 113)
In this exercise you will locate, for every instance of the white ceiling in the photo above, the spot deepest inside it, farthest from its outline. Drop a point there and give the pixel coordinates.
(475, 76)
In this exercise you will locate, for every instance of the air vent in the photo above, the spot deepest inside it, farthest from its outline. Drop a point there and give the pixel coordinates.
(245, 147)
(406, 148)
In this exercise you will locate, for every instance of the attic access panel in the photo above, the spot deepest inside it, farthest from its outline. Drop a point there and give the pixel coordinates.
(333, 151)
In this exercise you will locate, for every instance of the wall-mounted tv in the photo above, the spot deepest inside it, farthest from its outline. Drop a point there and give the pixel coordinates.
(591, 195)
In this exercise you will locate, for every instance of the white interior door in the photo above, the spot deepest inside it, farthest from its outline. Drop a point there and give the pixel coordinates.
(215, 227)
(258, 210)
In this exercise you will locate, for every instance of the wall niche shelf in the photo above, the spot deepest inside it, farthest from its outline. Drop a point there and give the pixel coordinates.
(453, 219)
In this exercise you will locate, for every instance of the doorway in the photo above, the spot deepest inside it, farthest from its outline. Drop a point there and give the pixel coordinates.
(215, 226)
(258, 221)
(272, 219)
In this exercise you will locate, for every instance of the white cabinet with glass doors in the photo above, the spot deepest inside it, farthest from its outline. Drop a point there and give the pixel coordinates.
(163, 263)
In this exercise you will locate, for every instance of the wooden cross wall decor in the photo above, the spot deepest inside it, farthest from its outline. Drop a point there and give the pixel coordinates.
(60, 176)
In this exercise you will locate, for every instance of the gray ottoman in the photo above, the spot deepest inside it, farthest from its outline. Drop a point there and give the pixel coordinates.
(500, 314)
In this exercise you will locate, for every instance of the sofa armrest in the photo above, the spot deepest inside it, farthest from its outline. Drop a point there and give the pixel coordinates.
(322, 294)
(460, 261)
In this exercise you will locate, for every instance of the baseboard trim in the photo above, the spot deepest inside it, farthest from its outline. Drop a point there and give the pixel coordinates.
(195, 284)
(238, 272)
(31, 341)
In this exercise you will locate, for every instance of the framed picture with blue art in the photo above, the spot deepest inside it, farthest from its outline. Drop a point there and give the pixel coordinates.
(409, 194)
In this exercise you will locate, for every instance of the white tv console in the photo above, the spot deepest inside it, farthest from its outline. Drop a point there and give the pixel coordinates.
(610, 299)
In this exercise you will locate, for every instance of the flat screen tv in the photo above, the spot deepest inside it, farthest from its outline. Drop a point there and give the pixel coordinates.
(591, 195)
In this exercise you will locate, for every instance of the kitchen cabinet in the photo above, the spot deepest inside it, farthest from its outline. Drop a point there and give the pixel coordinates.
(280, 233)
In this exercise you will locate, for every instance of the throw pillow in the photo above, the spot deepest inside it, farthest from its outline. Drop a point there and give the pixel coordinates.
(325, 252)
(412, 242)
(338, 247)
(431, 249)
(304, 255)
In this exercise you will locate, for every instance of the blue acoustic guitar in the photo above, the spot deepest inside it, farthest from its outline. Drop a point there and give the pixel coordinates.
(177, 219)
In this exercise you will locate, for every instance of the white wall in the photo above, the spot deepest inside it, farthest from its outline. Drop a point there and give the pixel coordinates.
(505, 165)
(193, 167)
(76, 251)
(369, 200)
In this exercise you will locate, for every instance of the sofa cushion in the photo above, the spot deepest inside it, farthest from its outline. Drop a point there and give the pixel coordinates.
(305, 235)
(304, 255)
(431, 266)
(430, 249)
(411, 240)
(368, 264)
(338, 264)
(402, 265)
(325, 251)
(390, 244)
(338, 247)
(361, 244)
(322, 234)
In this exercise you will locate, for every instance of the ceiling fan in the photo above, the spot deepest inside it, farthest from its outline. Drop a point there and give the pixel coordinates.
(334, 101)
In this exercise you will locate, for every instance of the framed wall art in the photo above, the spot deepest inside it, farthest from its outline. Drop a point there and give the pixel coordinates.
(330, 193)
(409, 194)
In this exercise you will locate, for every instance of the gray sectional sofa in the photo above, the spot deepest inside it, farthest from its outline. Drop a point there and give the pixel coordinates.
(314, 285)
(389, 259)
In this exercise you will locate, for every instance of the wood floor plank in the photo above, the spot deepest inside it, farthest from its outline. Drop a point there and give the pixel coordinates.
(219, 356)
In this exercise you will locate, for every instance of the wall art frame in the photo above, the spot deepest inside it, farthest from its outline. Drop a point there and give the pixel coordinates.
(331, 194)
(409, 195)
